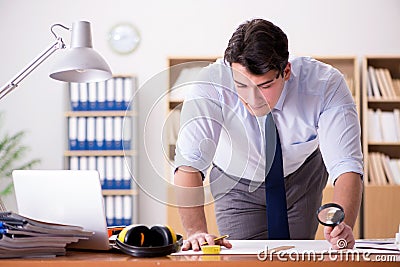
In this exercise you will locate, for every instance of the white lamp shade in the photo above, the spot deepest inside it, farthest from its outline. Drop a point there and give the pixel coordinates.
(81, 64)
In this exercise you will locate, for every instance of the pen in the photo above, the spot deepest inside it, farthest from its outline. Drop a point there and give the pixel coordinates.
(216, 239)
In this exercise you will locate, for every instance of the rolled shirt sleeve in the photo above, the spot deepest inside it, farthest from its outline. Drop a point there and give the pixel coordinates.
(339, 129)
(200, 126)
(199, 132)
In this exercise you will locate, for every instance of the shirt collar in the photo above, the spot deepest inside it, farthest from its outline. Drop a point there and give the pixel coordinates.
(279, 104)
(281, 100)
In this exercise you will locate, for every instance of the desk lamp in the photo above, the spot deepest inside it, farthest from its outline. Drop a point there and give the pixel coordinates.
(79, 64)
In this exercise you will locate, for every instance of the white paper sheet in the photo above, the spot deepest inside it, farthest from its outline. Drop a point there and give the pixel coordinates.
(255, 247)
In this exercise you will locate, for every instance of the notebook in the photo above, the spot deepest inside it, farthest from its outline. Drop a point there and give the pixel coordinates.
(66, 197)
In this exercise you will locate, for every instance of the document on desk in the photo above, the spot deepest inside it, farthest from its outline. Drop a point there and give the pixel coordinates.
(255, 247)
(377, 246)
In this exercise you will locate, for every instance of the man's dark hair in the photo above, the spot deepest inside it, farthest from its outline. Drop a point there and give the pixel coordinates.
(260, 46)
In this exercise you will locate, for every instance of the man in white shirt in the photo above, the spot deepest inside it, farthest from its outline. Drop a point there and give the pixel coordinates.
(222, 124)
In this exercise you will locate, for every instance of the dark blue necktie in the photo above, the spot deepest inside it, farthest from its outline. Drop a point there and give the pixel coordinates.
(278, 226)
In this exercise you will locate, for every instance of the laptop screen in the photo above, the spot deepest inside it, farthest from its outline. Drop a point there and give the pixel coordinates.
(66, 197)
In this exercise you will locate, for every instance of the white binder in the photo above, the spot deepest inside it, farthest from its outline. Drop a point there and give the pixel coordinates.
(83, 96)
(101, 168)
(109, 133)
(110, 94)
(91, 132)
(81, 133)
(119, 94)
(101, 95)
(126, 175)
(92, 96)
(118, 210)
(127, 214)
(73, 133)
(74, 163)
(109, 178)
(100, 142)
(110, 211)
(74, 96)
(92, 163)
(118, 133)
(83, 163)
(127, 133)
(128, 93)
(118, 162)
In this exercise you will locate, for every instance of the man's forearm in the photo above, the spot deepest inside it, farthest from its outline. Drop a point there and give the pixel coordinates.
(190, 195)
(193, 220)
(348, 193)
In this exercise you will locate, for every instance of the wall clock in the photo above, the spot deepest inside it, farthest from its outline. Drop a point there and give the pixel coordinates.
(124, 38)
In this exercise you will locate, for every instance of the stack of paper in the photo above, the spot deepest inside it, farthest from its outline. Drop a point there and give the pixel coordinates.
(25, 237)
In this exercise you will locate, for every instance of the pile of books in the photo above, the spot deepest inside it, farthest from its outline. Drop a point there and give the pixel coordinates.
(381, 84)
(383, 125)
(22, 237)
(382, 170)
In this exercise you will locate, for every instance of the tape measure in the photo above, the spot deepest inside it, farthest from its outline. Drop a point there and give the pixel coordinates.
(215, 249)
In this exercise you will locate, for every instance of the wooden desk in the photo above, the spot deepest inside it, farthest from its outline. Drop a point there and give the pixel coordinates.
(99, 259)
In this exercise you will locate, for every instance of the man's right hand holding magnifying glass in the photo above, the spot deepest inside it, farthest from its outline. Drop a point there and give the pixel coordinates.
(347, 195)
(338, 233)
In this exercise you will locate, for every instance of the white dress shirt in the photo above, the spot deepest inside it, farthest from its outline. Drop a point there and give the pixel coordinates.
(315, 109)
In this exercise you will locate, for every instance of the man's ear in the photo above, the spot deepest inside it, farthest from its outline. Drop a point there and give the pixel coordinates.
(287, 71)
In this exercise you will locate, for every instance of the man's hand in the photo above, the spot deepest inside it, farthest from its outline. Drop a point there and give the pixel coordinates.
(194, 241)
(347, 193)
(340, 237)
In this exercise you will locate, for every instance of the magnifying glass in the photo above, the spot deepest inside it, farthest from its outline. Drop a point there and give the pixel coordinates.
(330, 214)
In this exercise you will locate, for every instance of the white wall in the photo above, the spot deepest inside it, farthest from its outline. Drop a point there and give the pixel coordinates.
(168, 28)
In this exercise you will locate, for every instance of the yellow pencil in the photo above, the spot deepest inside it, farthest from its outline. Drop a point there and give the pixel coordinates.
(216, 239)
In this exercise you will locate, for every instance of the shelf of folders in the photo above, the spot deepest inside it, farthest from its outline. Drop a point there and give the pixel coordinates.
(101, 136)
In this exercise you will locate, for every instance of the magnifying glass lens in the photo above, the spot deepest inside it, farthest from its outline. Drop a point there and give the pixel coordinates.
(330, 214)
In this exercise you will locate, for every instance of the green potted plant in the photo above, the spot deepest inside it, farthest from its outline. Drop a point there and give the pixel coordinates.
(12, 152)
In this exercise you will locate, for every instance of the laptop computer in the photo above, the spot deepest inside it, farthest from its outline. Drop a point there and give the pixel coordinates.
(66, 197)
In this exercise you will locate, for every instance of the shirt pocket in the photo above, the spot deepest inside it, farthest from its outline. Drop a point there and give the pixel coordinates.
(301, 150)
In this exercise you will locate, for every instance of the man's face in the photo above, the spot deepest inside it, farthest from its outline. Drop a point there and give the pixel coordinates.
(259, 93)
